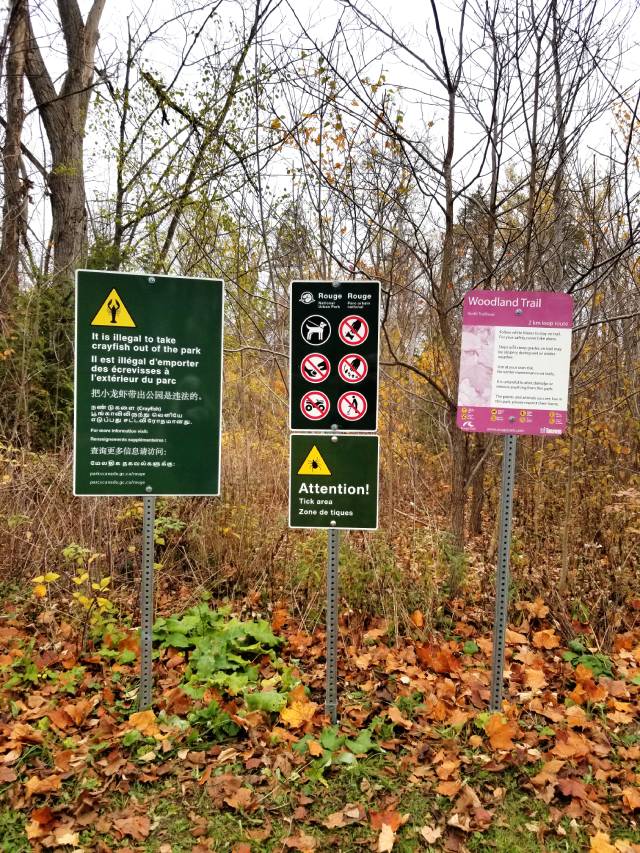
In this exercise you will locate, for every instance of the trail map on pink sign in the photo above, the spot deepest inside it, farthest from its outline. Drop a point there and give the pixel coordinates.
(514, 362)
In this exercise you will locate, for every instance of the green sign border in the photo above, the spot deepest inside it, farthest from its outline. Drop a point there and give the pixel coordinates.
(324, 440)
(150, 280)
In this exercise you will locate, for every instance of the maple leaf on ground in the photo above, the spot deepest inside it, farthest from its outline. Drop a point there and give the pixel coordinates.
(546, 639)
(35, 785)
(449, 789)
(600, 843)
(438, 658)
(386, 839)
(571, 744)
(351, 813)
(137, 826)
(144, 722)
(302, 842)
(631, 798)
(430, 835)
(300, 709)
(573, 788)
(239, 799)
(315, 749)
(514, 638)
(548, 773)
(390, 817)
(501, 731)
(536, 608)
(395, 715)
(64, 835)
(534, 678)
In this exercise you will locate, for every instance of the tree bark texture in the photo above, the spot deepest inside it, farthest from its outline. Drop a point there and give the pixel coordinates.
(15, 189)
(64, 115)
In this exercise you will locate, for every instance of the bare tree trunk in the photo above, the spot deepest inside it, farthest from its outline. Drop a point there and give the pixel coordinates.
(64, 115)
(15, 191)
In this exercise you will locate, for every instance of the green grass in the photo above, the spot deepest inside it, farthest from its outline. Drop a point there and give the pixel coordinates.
(12, 832)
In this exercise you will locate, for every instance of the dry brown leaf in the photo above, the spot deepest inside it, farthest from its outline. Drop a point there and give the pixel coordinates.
(430, 835)
(449, 789)
(447, 769)
(298, 713)
(391, 817)
(573, 788)
(302, 842)
(66, 835)
(145, 722)
(7, 775)
(239, 799)
(42, 816)
(395, 715)
(571, 744)
(631, 798)
(546, 639)
(514, 638)
(315, 748)
(548, 773)
(35, 785)
(501, 731)
(600, 843)
(534, 678)
(137, 826)
(386, 839)
(417, 617)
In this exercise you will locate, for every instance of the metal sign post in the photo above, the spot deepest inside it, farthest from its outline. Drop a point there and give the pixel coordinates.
(147, 400)
(331, 688)
(502, 572)
(146, 602)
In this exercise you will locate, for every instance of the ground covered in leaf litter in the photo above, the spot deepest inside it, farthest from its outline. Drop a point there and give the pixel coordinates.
(237, 755)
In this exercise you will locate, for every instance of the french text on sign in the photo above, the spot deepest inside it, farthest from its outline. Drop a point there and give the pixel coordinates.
(315, 329)
(352, 405)
(315, 405)
(353, 368)
(353, 330)
(315, 367)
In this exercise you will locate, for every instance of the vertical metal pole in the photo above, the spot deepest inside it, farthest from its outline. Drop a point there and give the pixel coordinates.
(146, 602)
(502, 571)
(331, 690)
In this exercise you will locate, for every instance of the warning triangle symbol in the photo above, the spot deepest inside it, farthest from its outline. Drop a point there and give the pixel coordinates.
(314, 464)
(112, 312)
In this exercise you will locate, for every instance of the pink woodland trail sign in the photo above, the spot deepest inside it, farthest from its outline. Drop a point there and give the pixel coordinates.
(514, 362)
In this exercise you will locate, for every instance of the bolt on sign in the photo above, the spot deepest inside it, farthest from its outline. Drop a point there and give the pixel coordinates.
(334, 336)
(514, 362)
(334, 481)
(148, 384)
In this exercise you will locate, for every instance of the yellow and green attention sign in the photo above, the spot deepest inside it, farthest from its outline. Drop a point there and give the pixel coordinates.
(334, 481)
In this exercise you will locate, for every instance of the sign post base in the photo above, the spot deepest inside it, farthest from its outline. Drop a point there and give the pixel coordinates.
(331, 691)
(502, 571)
(146, 602)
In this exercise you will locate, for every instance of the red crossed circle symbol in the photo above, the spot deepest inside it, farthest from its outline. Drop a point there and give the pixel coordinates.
(352, 406)
(353, 368)
(315, 367)
(315, 405)
(353, 330)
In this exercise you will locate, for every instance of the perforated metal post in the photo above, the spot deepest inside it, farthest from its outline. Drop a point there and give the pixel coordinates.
(146, 602)
(331, 690)
(502, 571)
